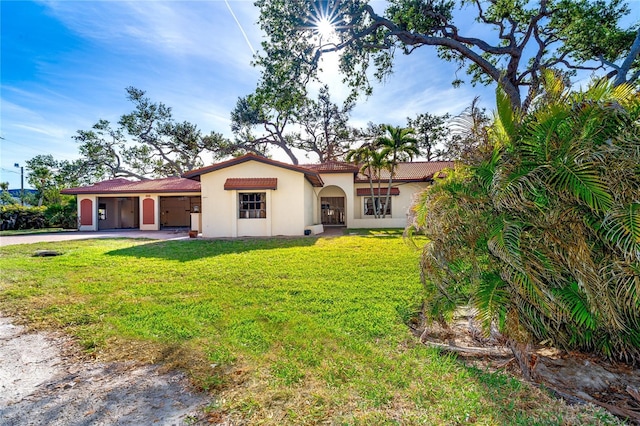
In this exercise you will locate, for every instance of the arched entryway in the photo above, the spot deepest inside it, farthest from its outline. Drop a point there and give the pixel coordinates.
(333, 202)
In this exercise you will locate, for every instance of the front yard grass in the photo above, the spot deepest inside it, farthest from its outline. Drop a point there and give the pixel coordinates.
(279, 331)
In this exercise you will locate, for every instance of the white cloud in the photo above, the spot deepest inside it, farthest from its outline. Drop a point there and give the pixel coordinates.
(204, 30)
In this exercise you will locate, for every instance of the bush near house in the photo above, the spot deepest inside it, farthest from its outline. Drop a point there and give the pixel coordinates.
(63, 215)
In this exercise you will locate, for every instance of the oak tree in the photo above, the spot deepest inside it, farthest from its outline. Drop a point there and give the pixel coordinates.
(147, 143)
(510, 44)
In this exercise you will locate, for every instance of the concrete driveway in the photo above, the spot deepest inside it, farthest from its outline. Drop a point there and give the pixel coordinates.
(80, 235)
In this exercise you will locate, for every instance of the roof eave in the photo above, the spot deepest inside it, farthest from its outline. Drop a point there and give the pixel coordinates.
(312, 176)
(132, 191)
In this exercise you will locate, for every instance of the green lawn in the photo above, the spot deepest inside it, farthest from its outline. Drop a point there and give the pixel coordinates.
(279, 331)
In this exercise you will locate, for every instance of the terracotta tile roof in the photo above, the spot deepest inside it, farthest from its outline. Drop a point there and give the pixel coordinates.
(311, 175)
(333, 167)
(363, 192)
(251, 183)
(416, 171)
(120, 186)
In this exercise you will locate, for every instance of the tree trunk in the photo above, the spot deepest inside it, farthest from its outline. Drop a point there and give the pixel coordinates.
(373, 198)
(527, 360)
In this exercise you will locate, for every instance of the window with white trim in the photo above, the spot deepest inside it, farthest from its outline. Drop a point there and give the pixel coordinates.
(253, 205)
(380, 203)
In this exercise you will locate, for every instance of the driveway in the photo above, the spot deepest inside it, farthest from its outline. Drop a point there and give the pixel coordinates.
(174, 234)
(80, 235)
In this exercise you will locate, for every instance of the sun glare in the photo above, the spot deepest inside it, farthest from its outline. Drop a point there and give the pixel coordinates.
(325, 28)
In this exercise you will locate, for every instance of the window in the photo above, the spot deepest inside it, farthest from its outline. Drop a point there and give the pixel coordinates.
(252, 205)
(368, 206)
(102, 211)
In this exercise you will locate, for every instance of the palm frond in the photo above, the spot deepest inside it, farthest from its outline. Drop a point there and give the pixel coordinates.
(583, 181)
(577, 305)
(491, 300)
(504, 127)
(525, 287)
(504, 243)
(622, 228)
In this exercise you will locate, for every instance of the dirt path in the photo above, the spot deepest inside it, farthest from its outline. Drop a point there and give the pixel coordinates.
(39, 385)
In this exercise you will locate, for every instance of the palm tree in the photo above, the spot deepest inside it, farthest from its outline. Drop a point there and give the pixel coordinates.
(567, 185)
(5, 197)
(397, 145)
(543, 235)
(371, 163)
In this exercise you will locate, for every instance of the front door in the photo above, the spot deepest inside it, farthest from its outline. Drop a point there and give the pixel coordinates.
(332, 210)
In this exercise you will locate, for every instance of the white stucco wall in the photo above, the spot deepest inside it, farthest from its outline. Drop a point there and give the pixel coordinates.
(310, 204)
(400, 205)
(343, 181)
(285, 205)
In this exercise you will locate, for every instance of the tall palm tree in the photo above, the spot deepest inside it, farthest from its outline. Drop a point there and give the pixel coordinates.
(397, 145)
(371, 163)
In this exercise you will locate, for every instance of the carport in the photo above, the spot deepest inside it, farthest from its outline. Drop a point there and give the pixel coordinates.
(118, 213)
(148, 205)
(175, 212)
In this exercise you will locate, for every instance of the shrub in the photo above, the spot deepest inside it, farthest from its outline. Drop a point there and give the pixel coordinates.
(15, 216)
(64, 215)
(543, 236)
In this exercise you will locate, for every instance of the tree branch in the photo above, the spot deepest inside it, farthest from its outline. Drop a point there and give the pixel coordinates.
(623, 70)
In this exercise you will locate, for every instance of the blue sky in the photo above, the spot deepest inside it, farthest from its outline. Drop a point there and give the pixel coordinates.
(66, 64)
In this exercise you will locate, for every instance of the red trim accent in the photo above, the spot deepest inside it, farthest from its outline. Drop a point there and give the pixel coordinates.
(86, 212)
(363, 192)
(148, 211)
(251, 183)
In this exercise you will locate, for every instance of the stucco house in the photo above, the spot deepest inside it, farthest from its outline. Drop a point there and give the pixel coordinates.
(254, 196)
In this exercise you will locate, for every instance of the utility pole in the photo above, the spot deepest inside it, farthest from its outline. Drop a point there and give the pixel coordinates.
(21, 182)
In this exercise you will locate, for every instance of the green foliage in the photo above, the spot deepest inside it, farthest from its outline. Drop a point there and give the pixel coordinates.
(146, 142)
(430, 131)
(64, 214)
(548, 224)
(523, 38)
(15, 216)
(396, 145)
(268, 119)
(592, 30)
(49, 176)
(389, 146)
(5, 196)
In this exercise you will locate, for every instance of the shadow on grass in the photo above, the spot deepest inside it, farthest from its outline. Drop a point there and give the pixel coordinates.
(187, 250)
(382, 232)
